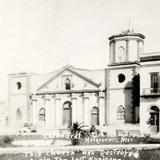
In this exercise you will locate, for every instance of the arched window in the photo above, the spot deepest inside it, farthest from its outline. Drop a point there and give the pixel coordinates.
(154, 116)
(95, 116)
(120, 113)
(42, 114)
(18, 113)
(67, 84)
(122, 54)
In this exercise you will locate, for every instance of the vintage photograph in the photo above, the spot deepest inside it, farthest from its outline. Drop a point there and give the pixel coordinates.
(79, 79)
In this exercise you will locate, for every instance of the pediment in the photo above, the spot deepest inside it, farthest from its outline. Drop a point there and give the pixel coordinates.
(77, 82)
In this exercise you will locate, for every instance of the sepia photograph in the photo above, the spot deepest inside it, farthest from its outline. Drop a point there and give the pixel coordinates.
(79, 80)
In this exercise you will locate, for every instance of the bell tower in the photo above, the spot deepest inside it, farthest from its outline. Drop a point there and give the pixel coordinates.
(125, 47)
(122, 78)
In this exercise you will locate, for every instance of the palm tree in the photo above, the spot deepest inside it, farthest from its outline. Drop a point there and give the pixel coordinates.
(78, 133)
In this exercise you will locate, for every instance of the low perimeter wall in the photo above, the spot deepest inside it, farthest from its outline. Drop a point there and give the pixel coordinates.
(93, 152)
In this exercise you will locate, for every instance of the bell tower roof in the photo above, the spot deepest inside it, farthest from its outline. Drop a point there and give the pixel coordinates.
(127, 33)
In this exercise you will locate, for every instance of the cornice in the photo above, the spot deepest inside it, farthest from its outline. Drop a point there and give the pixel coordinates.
(127, 35)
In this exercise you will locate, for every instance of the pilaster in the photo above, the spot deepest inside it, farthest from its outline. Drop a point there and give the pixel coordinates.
(52, 111)
(34, 111)
(138, 51)
(47, 107)
(86, 109)
(58, 112)
(74, 105)
(101, 109)
(127, 50)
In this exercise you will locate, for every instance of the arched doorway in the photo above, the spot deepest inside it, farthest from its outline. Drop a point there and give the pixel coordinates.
(154, 119)
(67, 114)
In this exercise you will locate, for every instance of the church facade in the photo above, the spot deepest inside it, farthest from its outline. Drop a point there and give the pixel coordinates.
(69, 95)
(123, 95)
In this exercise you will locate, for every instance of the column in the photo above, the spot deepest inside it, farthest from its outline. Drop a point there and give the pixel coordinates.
(85, 110)
(74, 102)
(80, 108)
(107, 97)
(58, 112)
(52, 112)
(159, 122)
(47, 107)
(34, 111)
(24, 113)
(127, 50)
(101, 110)
(115, 51)
(144, 117)
(138, 51)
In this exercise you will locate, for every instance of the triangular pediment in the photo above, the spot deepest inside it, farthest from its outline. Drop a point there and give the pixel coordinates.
(77, 82)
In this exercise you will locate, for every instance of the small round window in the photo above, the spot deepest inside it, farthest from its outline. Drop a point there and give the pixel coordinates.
(19, 85)
(121, 78)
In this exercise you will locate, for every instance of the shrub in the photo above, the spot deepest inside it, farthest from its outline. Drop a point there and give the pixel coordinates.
(33, 129)
(75, 141)
(6, 140)
(78, 133)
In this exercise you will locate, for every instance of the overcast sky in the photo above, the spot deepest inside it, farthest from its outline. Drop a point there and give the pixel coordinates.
(44, 35)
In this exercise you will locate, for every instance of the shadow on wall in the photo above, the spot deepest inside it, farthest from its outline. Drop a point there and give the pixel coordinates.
(135, 97)
(128, 103)
(132, 99)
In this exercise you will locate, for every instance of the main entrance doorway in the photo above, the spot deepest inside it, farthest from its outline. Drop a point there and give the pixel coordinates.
(154, 119)
(67, 114)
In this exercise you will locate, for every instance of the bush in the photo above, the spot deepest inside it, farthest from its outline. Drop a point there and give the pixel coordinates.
(6, 140)
(75, 141)
(33, 129)
(78, 133)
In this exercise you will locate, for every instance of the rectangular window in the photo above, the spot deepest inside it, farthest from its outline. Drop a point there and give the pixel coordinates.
(120, 116)
(154, 81)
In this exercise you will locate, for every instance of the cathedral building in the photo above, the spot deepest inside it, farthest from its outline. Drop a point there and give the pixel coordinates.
(123, 95)
(63, 97)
